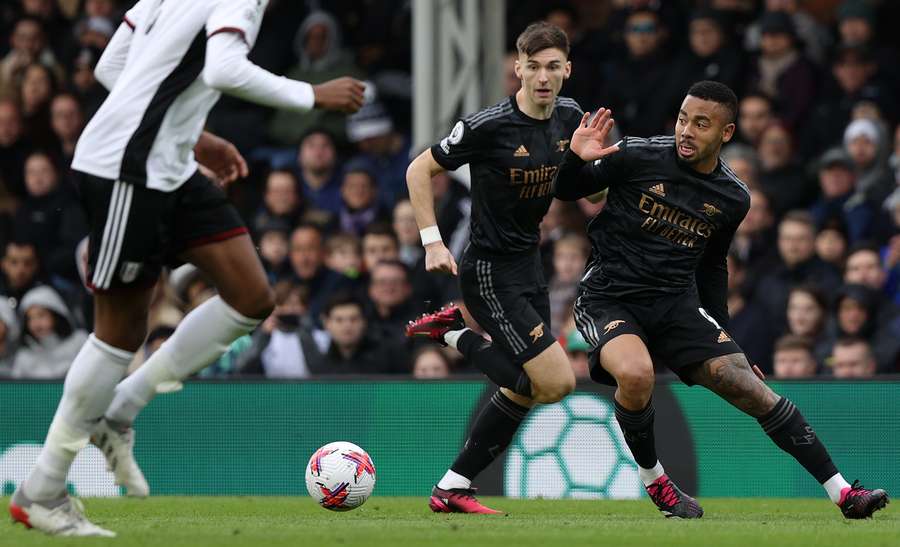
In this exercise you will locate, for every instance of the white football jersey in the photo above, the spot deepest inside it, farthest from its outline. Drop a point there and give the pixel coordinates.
(146, 129)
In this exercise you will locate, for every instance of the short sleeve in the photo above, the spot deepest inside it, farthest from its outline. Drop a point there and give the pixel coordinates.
(461, 146)
(242, 17)
(137, 15)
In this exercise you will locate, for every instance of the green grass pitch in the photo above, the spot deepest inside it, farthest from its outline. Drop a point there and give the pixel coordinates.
(407, 522)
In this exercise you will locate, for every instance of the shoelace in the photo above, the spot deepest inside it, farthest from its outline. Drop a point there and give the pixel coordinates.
(857, 490)
(664, 493)
(468, 493)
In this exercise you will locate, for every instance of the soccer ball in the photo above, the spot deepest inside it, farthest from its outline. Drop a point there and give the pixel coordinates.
(340, 476)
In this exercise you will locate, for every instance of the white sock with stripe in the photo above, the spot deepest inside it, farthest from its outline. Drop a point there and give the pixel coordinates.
(201, 338)
(90, 386)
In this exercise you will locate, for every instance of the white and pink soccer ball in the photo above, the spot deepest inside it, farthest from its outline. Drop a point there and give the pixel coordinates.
(340, 476)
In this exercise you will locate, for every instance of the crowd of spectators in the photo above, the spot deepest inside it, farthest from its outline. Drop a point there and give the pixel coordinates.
(814, 272)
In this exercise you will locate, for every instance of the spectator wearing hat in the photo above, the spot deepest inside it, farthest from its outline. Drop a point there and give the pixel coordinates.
(816, 39)
(781, 71)
(868, 148)
(50, 338)
(9, 337)
(382, 150)
(839, 199)
(856, 28)
(319, 47)
(853, 80)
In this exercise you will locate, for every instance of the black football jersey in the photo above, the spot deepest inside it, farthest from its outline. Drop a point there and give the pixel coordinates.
(512, 159)
(665, 226)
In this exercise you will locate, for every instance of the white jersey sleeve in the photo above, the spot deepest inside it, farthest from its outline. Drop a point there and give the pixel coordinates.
(228, 70)
(231, 30)
(112, 62)
(242, 17)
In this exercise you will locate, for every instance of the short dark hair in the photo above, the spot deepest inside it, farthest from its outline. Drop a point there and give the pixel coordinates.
(542, 35)
(800, 216)
(381, 229)
(342, 298)
(845, 341)
(393, 264)
(866, 246)
(792, 341)
(817, 294)
(716, 92)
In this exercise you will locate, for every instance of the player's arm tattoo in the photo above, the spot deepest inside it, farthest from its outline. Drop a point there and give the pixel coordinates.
(731, 378)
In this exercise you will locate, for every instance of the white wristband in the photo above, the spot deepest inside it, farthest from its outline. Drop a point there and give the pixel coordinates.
(430, 235)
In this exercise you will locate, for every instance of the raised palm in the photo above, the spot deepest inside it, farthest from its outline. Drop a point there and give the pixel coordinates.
(589, 140)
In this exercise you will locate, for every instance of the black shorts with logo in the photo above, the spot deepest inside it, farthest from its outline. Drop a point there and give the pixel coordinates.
(508, 297)
(135, 231)
(676, 329)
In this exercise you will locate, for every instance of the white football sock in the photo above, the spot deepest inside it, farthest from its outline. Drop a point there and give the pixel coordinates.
(451, 337)
(89, 387)
(201, 338)
(649, 475)
(452, 479)
(834, 485)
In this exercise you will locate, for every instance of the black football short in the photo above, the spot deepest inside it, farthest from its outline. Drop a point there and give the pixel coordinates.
(508, 297)
(676, 329)
(135, 231)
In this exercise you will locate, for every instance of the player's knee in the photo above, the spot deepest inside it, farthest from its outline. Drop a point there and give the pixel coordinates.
(555, 391)
(636, 377)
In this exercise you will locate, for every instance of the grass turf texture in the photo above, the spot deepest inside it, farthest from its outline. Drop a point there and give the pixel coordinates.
(222, 522)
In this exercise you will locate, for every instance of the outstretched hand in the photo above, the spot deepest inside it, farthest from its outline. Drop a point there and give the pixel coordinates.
(588, 141)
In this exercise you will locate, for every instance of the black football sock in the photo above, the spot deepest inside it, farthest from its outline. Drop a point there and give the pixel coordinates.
(494, 363)
(493, 431)
(637, 428)
(788, 428)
